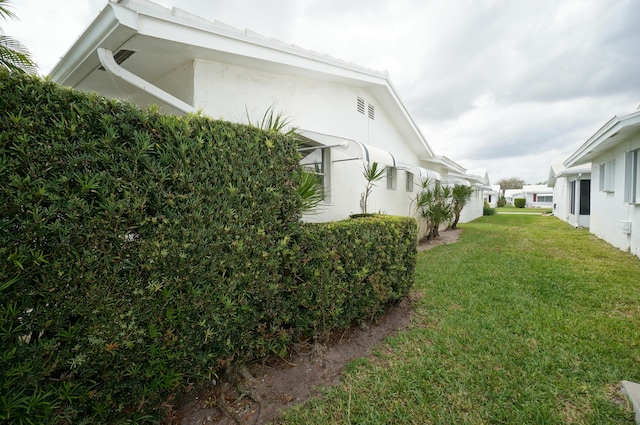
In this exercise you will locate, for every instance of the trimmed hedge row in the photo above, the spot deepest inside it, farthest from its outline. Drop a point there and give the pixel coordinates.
(349, 270)
(141, 253)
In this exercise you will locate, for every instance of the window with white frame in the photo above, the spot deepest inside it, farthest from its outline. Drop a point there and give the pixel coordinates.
(545, 198)
(631, 177)
(409, 181)
(315, 159)
(392, 177)
(607, 176)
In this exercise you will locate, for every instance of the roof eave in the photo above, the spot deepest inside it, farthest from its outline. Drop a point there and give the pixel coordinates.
(68, 71)
(447, 163)
(586, 152)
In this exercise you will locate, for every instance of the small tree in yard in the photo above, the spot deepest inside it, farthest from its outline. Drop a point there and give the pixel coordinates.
(433, 203)
(372, 174)
(460, 195)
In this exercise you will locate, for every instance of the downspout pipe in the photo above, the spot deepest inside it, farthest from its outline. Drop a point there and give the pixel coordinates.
(109, 63)
(577, 200)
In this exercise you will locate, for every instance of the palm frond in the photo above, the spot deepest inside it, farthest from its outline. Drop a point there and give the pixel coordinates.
(5, 12)
(273, 121)
(15, 57)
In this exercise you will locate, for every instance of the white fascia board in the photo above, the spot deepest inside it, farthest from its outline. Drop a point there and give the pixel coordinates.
(588, 146)
(96, 35)
(610, 129)
(446, 163)
(407, 117)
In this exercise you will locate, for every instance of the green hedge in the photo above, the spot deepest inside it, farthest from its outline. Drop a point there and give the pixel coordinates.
(519, 202)
(349, 270)
(488, 211)
(141, 253)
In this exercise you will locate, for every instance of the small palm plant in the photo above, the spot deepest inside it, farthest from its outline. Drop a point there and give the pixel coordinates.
(272, 121)
(310, 189)
(372, 173)
(433, 203)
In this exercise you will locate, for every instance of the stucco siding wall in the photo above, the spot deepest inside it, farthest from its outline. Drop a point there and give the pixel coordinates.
(608, 210)
(561, 199)
(229, 92)
(474, 207)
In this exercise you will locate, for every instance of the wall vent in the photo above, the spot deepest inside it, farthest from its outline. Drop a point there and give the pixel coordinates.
(372, 112)
(361, 105)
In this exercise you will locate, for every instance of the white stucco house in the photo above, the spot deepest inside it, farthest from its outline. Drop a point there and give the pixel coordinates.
(614, 154)
(479, 181)
(571, 193)
(345, 114)
(538, 195)
(492, 195)
(511, 194)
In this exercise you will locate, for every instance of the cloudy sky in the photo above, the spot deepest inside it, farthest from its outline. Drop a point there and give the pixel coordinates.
(510, 86)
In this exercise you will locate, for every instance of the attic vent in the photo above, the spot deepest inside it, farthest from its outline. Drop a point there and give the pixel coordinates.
(372, 112)
(120, 56)
(361, 105)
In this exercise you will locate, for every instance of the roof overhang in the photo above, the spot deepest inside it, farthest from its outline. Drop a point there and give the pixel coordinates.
(446, 163)
(615, 131)
(167, 39)
(559, 170)
(456, 179)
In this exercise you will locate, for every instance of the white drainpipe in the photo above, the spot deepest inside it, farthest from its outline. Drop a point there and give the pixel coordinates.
(109, 64)
(577, 200)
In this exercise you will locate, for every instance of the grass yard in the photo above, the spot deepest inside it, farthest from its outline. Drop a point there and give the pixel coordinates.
(525, 320)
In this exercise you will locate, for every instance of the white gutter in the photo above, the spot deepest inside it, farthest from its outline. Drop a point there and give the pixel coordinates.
(110, 65)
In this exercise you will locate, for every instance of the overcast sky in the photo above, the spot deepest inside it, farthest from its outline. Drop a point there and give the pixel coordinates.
(510, 86)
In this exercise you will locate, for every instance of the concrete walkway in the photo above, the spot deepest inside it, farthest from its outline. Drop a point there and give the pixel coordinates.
(522, 213)
(632, 390)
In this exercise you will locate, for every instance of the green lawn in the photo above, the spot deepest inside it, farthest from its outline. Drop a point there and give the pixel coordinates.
(525, 320)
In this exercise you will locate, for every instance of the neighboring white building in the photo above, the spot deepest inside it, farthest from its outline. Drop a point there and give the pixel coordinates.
(538, 196)
(479, 180)
(511, 194)
(492, 195)
(347, 115)
(614, 154)
(571, 193)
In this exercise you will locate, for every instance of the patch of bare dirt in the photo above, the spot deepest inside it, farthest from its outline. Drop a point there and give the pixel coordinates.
(446, 237)
(263, 390)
